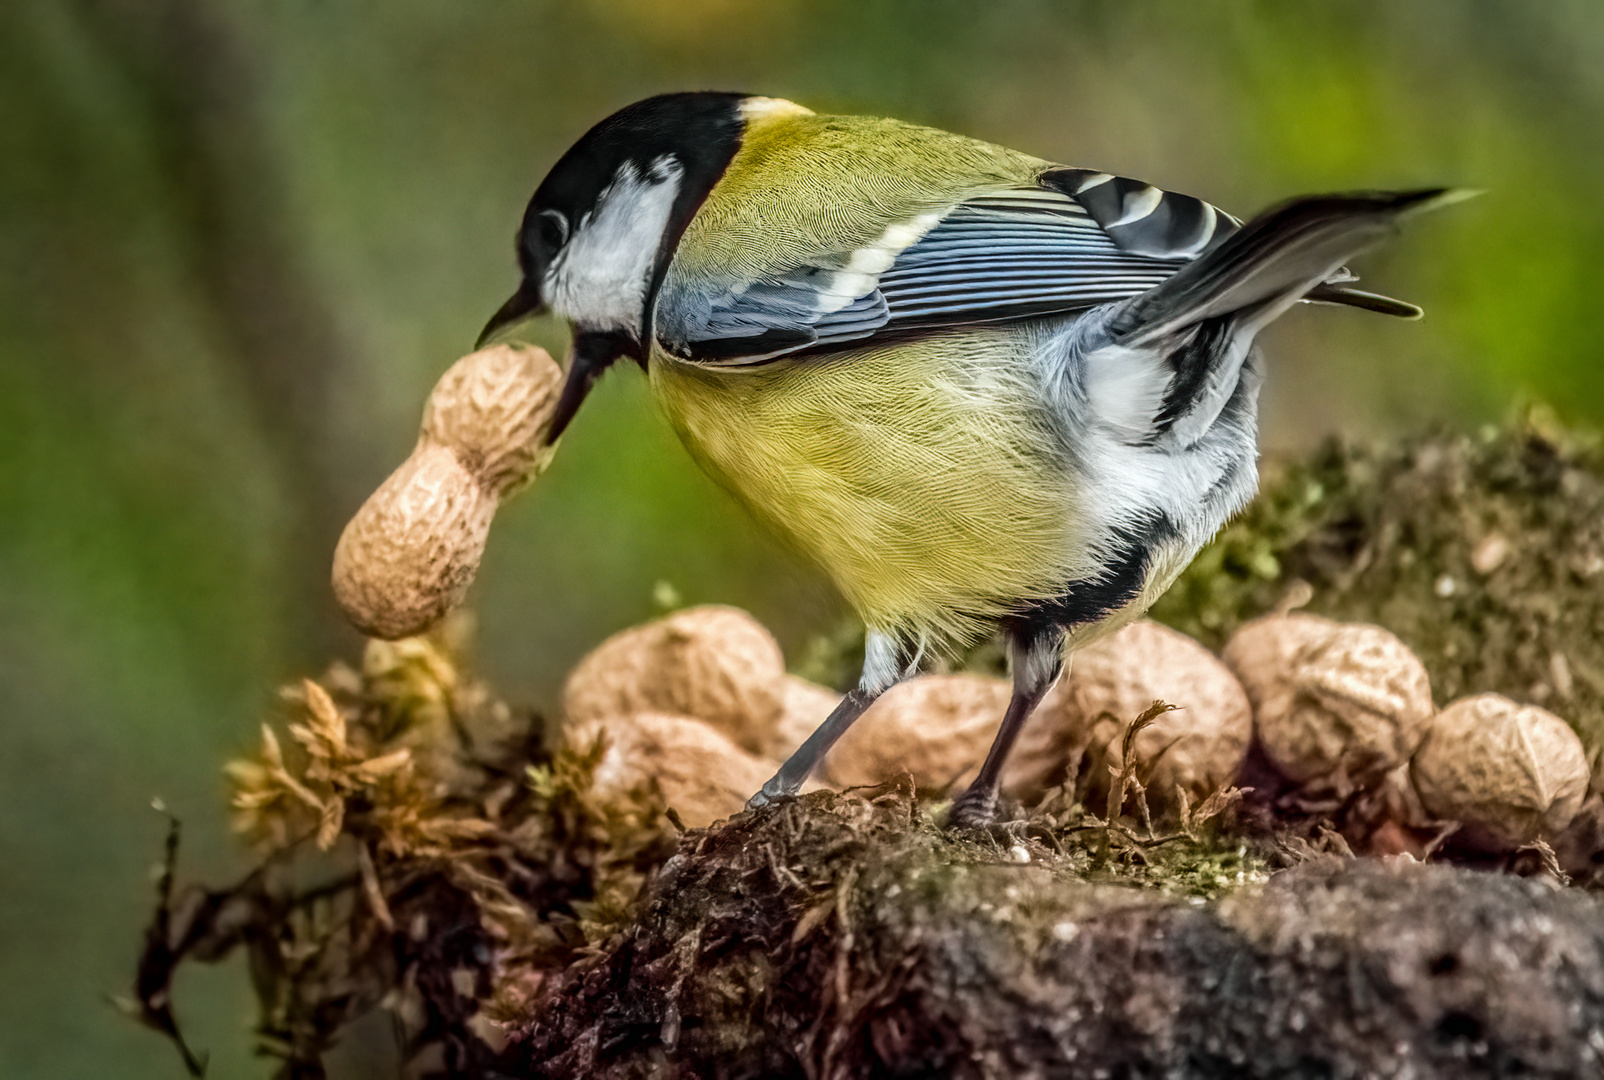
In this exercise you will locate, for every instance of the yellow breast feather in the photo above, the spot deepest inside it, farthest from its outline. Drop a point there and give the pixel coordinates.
(920, 475)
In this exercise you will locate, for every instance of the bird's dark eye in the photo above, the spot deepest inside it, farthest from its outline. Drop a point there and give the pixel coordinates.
(553, 229)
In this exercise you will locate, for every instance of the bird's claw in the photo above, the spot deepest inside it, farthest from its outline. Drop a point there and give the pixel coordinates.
(769, 794)
(973, 810)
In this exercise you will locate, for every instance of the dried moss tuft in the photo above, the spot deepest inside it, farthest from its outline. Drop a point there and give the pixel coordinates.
(421, 851)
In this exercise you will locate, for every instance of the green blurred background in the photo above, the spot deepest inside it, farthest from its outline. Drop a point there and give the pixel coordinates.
(239, 241)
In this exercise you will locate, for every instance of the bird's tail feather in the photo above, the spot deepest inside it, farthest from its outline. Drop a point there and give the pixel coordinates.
(1285, 254)
(1327, 293)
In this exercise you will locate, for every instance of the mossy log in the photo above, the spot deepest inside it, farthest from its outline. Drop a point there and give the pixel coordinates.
(841, 937)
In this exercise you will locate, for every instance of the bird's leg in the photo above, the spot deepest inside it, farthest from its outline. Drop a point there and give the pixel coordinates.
(800, 765)
(886, 662)
(1036, 654)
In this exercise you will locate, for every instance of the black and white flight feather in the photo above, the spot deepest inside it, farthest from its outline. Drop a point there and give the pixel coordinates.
(1075, 241)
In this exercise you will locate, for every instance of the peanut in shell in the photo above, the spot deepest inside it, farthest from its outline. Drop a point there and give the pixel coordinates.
(935, 727)
(805, 705)
(1196, 748)
(1508, 773)
(702, 774)
(410, 553)
(1336, 705)
(714, 663)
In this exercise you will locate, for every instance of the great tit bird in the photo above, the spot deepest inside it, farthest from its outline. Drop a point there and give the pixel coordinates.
(981, 389)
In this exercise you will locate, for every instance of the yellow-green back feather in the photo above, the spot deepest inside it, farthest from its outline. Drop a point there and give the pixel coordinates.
(802, 184)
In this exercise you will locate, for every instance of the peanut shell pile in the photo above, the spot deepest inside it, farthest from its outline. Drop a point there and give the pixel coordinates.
(700, 704)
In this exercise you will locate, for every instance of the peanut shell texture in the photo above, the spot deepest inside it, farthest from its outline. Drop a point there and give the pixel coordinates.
(805, 705)
(1052, 742)
(1508, 773)
(1262, 656)
(935, 727)
(714, 663)
(702, 774)
(410, 553)
(1197, 747)
(1336, 705)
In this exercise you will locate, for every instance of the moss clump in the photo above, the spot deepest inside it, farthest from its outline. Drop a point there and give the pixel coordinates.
(421, 851)
(1485, 554)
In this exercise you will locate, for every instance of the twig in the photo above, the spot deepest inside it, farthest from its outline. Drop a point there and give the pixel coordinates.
(153, 983)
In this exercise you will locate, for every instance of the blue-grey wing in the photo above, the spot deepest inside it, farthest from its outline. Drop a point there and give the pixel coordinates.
(1077, 240)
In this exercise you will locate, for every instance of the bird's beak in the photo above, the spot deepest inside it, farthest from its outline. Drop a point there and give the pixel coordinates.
(591, 355)
(523, 304)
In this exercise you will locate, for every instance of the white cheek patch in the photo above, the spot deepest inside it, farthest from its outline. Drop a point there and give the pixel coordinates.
(599, 278)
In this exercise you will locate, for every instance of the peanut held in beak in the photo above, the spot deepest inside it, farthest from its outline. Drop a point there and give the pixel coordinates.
(411, 552)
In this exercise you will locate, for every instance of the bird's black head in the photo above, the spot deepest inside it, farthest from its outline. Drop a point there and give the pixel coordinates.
(600, 231)
(601, 228)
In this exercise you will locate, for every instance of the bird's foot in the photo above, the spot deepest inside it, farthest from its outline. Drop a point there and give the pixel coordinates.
(775, 791)
(974, 809)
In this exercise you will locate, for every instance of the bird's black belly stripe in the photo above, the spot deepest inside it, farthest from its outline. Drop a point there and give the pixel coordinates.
(1120, 583)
